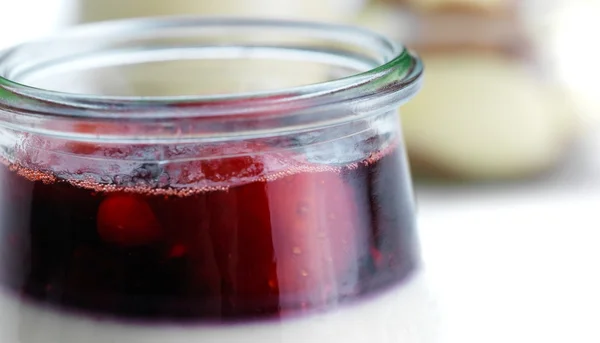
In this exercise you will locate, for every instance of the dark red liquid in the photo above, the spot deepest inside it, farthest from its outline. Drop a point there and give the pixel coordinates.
(301, 242)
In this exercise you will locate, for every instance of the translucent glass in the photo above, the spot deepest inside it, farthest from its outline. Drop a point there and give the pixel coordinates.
(264, 196)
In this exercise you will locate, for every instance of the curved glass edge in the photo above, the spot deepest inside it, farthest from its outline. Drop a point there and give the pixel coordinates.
(389, 85)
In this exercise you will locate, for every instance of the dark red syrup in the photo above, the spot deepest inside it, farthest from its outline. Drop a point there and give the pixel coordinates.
(303, 239)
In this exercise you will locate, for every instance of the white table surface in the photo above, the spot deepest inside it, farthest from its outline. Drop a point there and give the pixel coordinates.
(521, 262)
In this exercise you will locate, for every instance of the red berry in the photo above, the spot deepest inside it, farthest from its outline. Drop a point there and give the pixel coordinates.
(177, 251)
(88, 148)
(83, 148)
(127, 220)
(228, 245)
(315, 236)
(248, 102)
(293, 241)
(243, 245)
(223, 164)
(232, 167)
(289, 242)
(85, 127)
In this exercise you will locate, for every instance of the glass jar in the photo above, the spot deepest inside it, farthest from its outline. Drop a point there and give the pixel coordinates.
(322, 10)
(493, 106)
(132, 214)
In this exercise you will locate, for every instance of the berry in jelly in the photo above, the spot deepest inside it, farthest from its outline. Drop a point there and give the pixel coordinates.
(302, 240)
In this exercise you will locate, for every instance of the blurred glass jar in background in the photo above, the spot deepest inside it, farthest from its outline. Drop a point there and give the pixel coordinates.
(181, 78)
(493, 106)
(323, 10)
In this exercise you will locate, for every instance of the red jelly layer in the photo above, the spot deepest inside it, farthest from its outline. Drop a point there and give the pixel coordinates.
(300, 242)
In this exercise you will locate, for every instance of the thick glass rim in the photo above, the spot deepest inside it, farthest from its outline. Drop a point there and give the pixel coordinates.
(388, 83)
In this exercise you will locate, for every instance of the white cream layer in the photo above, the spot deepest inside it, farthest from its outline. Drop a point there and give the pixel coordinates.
(403, 315)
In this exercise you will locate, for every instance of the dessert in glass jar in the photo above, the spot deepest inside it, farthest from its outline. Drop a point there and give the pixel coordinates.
(238, 211)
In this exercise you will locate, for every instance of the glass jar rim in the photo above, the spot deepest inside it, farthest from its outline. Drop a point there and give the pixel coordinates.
(387, 84)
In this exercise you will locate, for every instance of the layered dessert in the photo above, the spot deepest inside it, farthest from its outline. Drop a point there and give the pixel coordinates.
(224, 242)
(489, 109)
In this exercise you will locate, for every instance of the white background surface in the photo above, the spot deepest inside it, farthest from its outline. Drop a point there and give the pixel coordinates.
(508, 263)
(27, 19)
(518, 263)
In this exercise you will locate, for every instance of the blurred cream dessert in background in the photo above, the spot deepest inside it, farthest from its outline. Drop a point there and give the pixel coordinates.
(490, 108)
